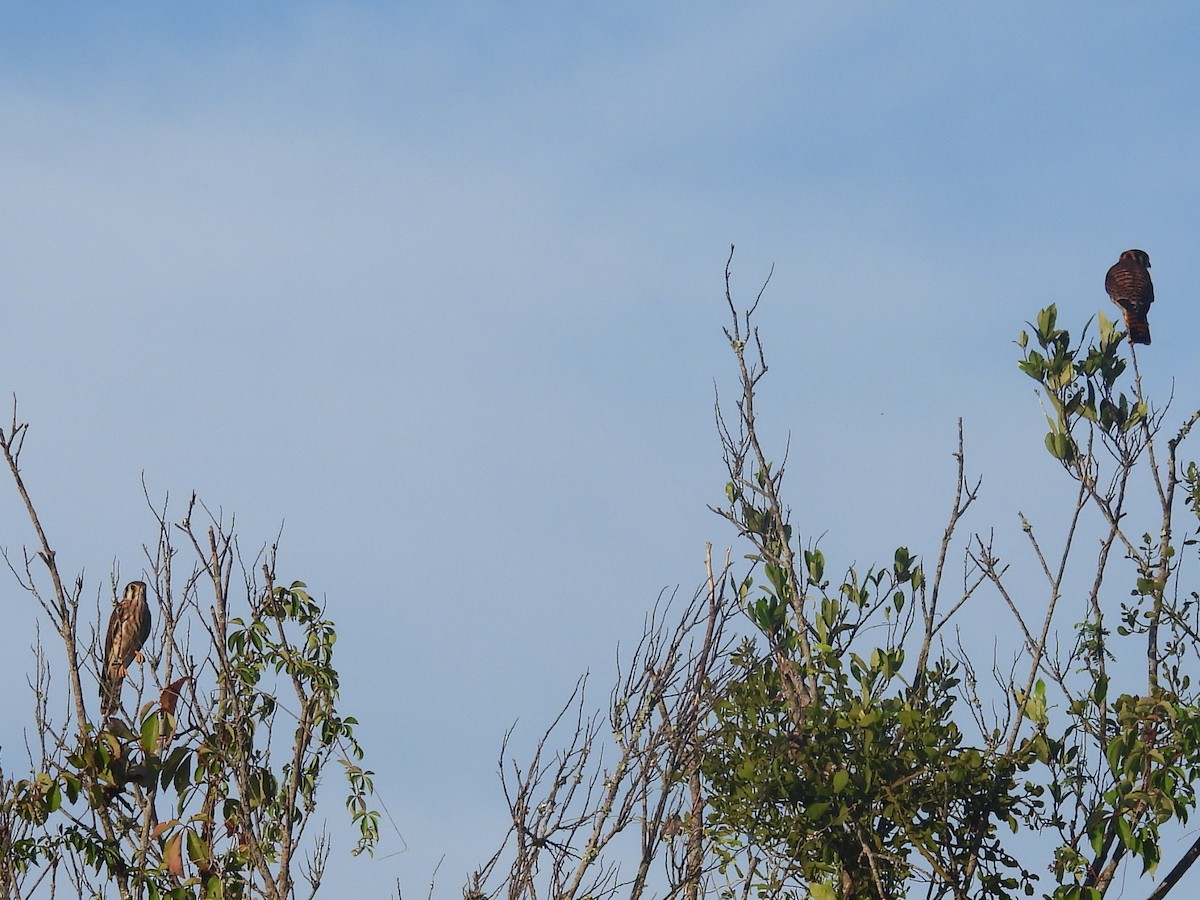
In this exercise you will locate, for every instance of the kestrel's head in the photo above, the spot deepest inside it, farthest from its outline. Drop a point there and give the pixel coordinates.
(1141, 257)
(135, 589)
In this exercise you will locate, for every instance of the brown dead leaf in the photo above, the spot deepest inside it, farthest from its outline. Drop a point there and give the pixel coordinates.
(169, 698)
(161, 827)
(173, 855)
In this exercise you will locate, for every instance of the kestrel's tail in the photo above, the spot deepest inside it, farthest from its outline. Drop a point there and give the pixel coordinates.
(1137, 326)
(110, 690)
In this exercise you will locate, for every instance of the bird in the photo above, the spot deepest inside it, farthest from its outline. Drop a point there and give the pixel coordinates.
(128, 629)
(1128, 283)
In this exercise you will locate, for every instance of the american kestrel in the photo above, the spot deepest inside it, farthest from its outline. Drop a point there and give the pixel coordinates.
(127, 631)
(1129, 285)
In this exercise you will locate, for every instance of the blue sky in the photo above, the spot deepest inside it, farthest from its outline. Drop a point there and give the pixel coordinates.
(439, 288)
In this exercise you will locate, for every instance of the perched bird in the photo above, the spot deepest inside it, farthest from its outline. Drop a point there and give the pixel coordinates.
(127, 631)
(1129, 285)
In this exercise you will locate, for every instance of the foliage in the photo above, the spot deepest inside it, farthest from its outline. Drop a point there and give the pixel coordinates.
(845, 763)
(848, 749)
(871, 774)
(209, 787)
(1126, 764)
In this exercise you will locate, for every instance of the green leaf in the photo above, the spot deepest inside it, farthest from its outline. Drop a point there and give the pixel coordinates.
(1045, 322)
(183, 774)
(198, 851)
(151, 729)
(1035, 704)
(1106, 328)
(815, 561)
(1060, 446)
(1100, 689)
(1034, 366)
